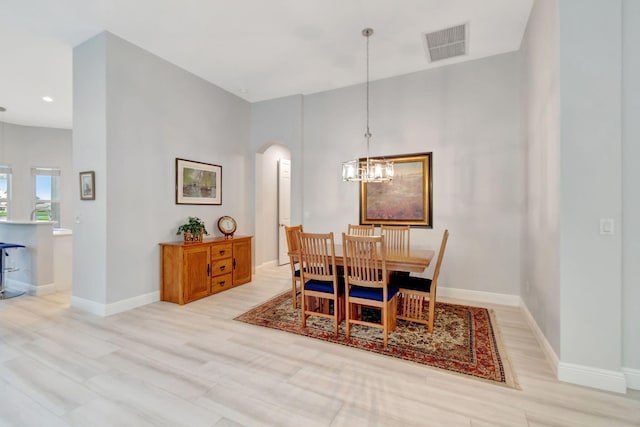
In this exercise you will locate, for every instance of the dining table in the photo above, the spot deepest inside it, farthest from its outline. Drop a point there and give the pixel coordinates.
(409, 260)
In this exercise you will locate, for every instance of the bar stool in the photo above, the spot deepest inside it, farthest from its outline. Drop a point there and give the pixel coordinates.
(5, 293)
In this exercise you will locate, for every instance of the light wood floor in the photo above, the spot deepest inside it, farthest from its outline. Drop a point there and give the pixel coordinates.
(166, 365)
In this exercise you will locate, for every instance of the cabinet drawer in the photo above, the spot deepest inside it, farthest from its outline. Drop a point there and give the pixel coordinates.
(222, 266)
(221, 283)
(220, 251)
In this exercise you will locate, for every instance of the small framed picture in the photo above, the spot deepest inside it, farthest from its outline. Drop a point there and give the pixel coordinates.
(87, 185)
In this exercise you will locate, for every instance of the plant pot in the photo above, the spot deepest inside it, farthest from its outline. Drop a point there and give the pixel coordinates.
(189, 237)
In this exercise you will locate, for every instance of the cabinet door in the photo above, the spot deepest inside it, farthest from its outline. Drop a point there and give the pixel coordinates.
(241, 262)
(197, 272)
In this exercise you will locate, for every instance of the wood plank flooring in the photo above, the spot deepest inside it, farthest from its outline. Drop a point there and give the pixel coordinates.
(167, 365)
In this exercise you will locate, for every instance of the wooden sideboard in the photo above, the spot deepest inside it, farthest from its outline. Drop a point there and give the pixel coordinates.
(189, 271)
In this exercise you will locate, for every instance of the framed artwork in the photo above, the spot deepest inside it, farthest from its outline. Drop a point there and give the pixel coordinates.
(406, 200)
(87, 185)
(198, 183)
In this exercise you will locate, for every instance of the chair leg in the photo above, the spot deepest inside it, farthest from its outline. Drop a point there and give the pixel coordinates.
(432, 314)
(347, 316)
(294, 294)
(384, 316)
(303, 310)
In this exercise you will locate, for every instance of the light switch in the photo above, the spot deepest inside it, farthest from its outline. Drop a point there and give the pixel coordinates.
(606, 226)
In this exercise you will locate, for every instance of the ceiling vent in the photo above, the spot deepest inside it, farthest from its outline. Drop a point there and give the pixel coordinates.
(447, 43)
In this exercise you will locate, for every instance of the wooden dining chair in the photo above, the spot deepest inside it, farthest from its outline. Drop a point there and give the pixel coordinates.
(320, 279)
(293, 244)
(414, 291)
(397, 237)
(360, 230)
(366, 282)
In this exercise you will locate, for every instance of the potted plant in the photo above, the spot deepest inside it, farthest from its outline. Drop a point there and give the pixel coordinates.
(193, 230)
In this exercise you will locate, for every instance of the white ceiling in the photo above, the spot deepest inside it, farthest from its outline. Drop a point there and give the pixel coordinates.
(256, 49)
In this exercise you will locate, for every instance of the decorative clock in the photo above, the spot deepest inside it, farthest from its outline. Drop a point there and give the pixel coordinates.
(227, 226)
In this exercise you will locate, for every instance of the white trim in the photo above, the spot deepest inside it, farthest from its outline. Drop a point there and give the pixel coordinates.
(549, 353)
(49, 288)
(88, 305)
(479, 296)
(633, 377)
(267, 264)
(117, 307)
(602, 379)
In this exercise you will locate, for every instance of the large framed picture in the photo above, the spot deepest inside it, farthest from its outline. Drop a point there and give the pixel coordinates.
(87, 185)
(198, 183)
(406, 200)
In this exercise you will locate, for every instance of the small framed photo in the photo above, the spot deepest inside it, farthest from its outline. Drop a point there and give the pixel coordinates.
(198, 183)
(87, 185)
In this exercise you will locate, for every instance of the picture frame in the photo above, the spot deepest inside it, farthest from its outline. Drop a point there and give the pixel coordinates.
(87, 185)
(198, 183)
(406, 200)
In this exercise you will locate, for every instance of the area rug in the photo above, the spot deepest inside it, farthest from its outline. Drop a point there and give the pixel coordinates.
(465, 339)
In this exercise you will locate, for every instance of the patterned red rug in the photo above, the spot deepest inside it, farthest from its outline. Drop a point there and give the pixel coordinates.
(465, 339)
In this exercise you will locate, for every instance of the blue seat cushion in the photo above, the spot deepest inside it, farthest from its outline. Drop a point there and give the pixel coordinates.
(413, 283)
(374, 294)
(297, 273)
(322, 286)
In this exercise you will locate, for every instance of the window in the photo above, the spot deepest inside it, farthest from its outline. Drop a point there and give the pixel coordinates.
(5, 191)
(47, 195)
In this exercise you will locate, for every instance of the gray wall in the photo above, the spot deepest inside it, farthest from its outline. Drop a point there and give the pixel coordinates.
(26, 147)
(468, 116)
(89, 280)
(630, 180)
(541, 128)
(580, 91)
(153, 112)
(590, 182)
(276, 132)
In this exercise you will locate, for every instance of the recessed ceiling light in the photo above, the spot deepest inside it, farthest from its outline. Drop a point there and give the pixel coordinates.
(47, 99)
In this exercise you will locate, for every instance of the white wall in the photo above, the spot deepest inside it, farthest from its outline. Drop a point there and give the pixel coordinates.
(26, 147)
(540, 289)
(154, 112)
(630, 180)
(468, 116)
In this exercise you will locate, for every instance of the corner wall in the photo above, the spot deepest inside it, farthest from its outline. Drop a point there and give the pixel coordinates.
(630, 193)
(540, 290)
(149, 112)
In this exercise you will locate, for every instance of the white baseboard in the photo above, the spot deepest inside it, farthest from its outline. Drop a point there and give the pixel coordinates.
(272, 263)
(549, 353)
(633, 378)
(103, 310)
(588, 376)
(479, 296)
(49, 288)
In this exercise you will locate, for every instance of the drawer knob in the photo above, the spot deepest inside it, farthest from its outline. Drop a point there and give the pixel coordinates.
(222, 252)
(222, 267)
(221, 283)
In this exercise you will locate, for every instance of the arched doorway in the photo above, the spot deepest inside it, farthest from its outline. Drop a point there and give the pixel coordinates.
(267, 239)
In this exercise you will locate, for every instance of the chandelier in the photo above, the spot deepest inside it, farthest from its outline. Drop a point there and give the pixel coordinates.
(367, 170)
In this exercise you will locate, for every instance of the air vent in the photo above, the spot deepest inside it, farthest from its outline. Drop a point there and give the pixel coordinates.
(447, 43)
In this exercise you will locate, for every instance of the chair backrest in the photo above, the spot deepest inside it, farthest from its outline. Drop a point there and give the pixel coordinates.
(317, 257)
(293, 242)
(436, 272)
(396, 237)
(360, 230)
(365, 261)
